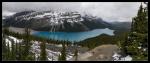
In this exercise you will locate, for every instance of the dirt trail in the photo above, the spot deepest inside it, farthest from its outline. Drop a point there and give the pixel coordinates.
(100, 53)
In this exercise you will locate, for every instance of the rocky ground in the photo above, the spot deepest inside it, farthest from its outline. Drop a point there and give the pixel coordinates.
(100, 53)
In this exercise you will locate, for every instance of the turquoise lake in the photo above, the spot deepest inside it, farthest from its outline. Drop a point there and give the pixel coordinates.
(73, 36)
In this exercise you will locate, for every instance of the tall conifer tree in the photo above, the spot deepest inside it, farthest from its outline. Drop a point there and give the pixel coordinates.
(43, 55)
(138, 36)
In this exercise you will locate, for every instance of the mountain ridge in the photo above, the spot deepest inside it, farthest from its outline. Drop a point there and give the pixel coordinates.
(55, 21)
(60, 21)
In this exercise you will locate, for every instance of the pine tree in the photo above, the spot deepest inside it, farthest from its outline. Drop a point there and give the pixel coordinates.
(59, 57)
(12, 49)
(43, 51)
(76, 54)
(122, 43)
(138, 36)
(16, 50)
(26, 43)
(8, 52)
(34, 57)
(5, 30)
(20, 52)
(4, 47)
(63, 53)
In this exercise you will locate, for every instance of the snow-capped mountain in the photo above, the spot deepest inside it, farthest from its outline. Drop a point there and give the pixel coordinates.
(55, 21)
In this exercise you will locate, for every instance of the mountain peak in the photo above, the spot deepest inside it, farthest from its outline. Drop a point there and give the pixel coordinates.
(55, 21)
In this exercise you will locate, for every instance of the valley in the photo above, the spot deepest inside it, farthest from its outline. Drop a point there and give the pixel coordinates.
(80, 31)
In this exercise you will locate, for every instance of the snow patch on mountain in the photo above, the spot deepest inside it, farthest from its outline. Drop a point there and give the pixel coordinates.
(53, 17)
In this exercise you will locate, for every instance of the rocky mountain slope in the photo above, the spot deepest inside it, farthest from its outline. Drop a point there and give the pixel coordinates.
(55, 21)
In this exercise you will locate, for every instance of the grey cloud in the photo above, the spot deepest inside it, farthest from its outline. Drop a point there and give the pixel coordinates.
(109, 11)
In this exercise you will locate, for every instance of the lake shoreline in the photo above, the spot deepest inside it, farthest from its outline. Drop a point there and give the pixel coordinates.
(72, 36)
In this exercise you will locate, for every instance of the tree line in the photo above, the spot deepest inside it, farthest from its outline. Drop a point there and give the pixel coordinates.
(135, 42)
(21, 51)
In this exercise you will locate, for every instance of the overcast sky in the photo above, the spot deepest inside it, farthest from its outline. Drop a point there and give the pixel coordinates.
(108, 11)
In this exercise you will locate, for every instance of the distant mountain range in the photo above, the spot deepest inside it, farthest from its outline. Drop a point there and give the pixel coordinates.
(57, 21)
